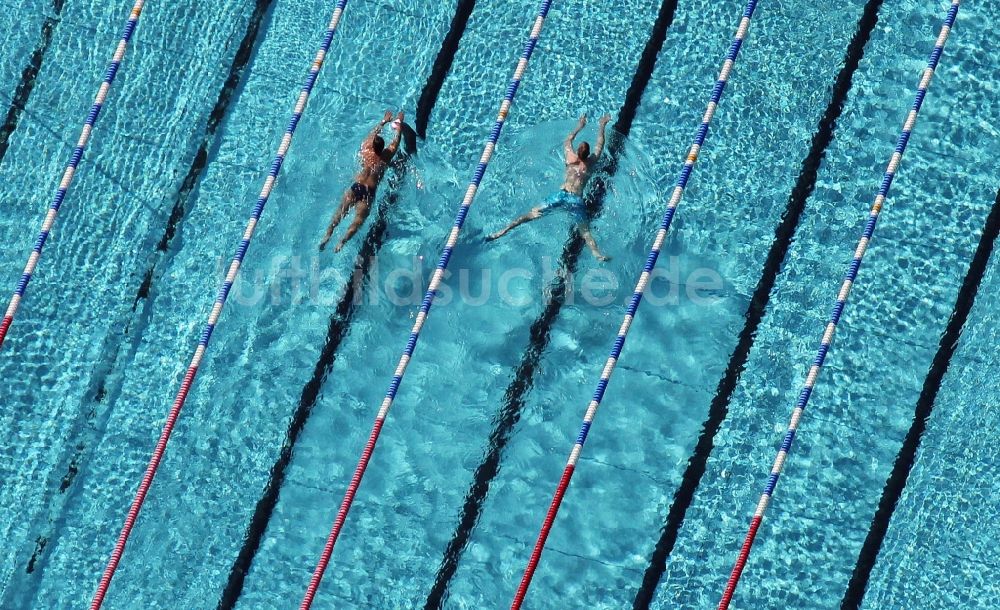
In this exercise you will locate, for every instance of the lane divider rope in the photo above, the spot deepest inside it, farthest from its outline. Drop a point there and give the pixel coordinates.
(220, 301)
(838, 309)
(70, 171)
(425, 307)
(633, 306)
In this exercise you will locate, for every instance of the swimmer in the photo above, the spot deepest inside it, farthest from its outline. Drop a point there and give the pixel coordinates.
(579, 163)
(375, 158)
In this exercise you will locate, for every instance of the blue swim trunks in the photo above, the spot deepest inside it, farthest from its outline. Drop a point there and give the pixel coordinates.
(565, 200)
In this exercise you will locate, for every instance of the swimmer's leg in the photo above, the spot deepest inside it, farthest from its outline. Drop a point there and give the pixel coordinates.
(588, 238)
(534, 214)
(361, 211)
(346, 204)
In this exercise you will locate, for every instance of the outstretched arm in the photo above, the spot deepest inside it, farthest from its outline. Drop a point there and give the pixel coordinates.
(568, 143)
(603, 123)
(378, 128)
(390, 151)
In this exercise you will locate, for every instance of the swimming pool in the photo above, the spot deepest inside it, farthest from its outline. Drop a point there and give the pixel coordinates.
(103, 338)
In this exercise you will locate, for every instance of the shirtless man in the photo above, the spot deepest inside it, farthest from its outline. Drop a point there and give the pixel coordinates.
(375, 158)
(579, 164)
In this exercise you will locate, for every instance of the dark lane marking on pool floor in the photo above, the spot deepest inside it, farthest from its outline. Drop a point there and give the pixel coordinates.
(442, 66)
(141, 306)
(240, 61)
(99, 383)
(337, 331)
(523, 381)
(27, 83)
(783, 236)
(907, 455)
(134, 328)
(340, 323)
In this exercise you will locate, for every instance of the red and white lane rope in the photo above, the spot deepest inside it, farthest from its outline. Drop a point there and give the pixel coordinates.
(220, 301)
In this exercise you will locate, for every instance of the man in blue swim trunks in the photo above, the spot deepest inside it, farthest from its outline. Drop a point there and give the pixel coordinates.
(375, 158)
(579, 163)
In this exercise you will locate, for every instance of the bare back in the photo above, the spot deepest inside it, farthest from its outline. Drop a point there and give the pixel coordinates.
(577, 173)
(373, 166)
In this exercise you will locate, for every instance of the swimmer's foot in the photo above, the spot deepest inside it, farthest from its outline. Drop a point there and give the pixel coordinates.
(497, 235)
(339, 247)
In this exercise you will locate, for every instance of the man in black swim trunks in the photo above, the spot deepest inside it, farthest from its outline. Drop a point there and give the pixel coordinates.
(579, 163)
(375, 158)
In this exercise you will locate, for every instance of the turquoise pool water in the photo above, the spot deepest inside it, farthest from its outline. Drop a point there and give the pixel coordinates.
(102, 340)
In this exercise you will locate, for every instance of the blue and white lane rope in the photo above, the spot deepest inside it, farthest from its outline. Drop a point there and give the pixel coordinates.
(633, 306)
(425, 307)
(220, 301)
(67, 178)
(838, 309)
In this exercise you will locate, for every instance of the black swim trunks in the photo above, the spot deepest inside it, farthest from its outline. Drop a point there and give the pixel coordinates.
(362, 192)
